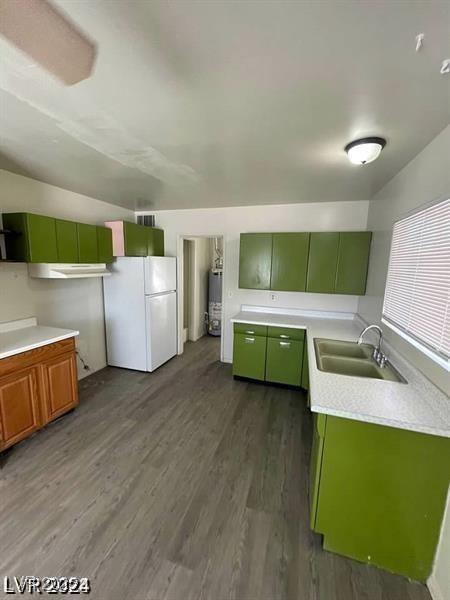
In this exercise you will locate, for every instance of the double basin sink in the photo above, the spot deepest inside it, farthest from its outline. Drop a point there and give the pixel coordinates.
(351, 358)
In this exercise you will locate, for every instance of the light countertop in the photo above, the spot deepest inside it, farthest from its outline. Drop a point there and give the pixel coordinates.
(25, 334)
(417, 405)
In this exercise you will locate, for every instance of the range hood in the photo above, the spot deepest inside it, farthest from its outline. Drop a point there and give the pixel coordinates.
(67, 271)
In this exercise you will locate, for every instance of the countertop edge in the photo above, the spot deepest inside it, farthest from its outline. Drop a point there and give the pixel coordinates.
(26, 348)
(380, 421)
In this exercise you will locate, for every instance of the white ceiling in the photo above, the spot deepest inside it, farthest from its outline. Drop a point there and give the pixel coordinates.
(222, 103)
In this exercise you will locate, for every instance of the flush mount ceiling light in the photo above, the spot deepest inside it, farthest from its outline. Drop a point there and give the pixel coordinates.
(365, 150)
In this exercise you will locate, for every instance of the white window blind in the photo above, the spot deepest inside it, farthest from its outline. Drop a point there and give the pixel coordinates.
(417, 295)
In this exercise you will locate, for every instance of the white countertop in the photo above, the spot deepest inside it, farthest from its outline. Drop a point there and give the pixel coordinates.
(417, 405)
(25, 334)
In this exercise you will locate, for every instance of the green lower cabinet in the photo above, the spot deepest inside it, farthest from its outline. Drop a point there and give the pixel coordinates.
(249, 356)
(155, 241)
(319, 422)
(353, 262)
(255, 260)
(104, 245)
(381, 495)
(305, 368)
(87, 243)
(34, 239)
(66, 241)
(284, 361)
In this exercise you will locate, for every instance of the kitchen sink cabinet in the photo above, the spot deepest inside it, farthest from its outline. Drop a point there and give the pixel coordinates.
(289, 261)
(323, 252)
(104, 245)
(87, 243)
(255, 260)
(34, 239)
(66, 241)
(352, 262)
(36, 387)
(370, 493)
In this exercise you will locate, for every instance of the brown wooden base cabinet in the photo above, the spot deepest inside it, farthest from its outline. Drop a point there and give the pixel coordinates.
(36, 387)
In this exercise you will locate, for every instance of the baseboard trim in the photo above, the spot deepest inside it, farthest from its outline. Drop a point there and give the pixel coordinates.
(435, 589)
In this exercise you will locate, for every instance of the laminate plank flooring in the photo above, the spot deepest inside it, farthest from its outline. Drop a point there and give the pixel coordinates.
(181, 484)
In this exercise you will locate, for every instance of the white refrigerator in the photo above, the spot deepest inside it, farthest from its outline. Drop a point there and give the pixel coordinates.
(140, 301)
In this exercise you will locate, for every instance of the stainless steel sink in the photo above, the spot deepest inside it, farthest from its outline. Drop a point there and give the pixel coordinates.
(349, 358)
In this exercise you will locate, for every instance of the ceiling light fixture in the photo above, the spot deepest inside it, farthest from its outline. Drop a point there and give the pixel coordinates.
(365, 150)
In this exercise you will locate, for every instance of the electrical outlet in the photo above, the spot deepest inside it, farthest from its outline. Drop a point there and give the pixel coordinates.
(273, 297)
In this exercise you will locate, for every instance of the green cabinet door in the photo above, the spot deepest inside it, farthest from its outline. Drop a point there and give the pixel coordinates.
(255, 259)
(353, 262)
(104, 245)
(319, 423)
(323, 252)
(284, 361)
(249, 356)
(87, 243)
(289, 261)
(382, 495)
(305, 367)
(35, 239)
(155, 241)
(66, 241)
(135, 239)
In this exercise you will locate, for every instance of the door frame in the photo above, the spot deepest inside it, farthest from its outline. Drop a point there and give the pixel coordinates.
(180, 286)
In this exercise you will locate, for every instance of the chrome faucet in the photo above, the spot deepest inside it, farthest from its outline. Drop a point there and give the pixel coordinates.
(378, 355)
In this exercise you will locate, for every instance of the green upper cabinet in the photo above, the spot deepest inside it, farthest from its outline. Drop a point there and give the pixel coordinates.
(87, 243)
(135, 239)
(255, 260)
(66, 241)
(155, 241)
(289, 261)
(353, 261)
(104, 245)
(35, 239)
(323, 253)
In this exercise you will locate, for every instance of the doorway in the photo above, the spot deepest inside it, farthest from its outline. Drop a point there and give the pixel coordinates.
(200, 289)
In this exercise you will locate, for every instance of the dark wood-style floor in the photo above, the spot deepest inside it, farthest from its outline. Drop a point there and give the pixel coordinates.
(181, 484)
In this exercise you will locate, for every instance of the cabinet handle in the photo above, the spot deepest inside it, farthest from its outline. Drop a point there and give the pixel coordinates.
(250, 332)
(284, 336)
(249, 340)
(285, 344)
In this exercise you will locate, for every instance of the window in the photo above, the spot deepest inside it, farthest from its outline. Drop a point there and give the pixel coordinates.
(417, 296)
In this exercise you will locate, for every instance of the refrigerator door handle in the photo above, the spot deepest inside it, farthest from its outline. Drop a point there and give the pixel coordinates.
(160, 294)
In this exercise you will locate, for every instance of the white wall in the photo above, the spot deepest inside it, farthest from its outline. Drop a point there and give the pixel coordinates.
(76, 304)
(230, 222)
(425, 178)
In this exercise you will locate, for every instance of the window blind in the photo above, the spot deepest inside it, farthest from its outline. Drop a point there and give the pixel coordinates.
(417, 295)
